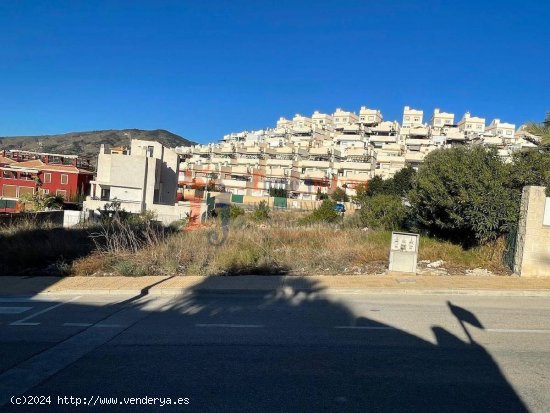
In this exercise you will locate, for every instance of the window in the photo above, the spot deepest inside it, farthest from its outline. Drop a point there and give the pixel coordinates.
(478, 126)
(64, 179)
(105, 194)
(47, 178)
(371, 117)
(45, 191)
(508, 132)
(150, 151)
(7, 175)
(407, 118)
(62, 193)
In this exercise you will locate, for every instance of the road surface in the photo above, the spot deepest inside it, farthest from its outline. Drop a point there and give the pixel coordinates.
(275, 352)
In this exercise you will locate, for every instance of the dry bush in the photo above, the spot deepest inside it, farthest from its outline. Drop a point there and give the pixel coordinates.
(271, 248)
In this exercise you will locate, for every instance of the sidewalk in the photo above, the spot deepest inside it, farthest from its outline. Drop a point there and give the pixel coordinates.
(367, 284)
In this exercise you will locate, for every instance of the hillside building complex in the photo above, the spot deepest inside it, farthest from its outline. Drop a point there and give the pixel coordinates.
(310, 155)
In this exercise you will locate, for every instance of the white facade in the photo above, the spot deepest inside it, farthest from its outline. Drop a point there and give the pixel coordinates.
(412, 117)
(471, 124)
(501, 129)
(307, 154)
(146, 179)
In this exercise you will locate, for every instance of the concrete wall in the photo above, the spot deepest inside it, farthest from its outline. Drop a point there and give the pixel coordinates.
(43, 217)
(532, 258)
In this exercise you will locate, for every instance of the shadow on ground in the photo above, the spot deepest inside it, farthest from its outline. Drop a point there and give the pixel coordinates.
(288, 350)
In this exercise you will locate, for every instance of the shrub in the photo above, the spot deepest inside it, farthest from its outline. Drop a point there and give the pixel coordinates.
(235, 211)
(339, 195)
(385, 212)
(325, 213)
(463, 194)
(261, 212)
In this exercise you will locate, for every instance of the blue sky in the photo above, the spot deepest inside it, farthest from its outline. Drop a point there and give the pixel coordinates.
(202, 69)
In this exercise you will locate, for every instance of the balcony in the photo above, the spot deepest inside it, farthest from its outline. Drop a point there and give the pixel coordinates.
(314, 164)
(234, 183)
(275, 172)
(314, 175)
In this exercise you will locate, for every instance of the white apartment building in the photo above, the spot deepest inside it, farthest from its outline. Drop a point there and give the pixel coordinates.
(319, 153)
(370, 117)
(440, 120)
(412, 117)
(502, 129)
(471, 125)
(322, 120)
(343, 118)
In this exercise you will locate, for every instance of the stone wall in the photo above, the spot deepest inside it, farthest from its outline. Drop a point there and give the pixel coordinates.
(532, 258)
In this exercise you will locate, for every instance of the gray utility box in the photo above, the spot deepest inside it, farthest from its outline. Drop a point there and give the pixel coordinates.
(403, 252)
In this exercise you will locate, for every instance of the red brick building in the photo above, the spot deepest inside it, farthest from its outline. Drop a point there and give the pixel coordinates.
(23, 172)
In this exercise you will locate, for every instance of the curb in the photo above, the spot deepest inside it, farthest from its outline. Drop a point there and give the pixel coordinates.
(176, 292)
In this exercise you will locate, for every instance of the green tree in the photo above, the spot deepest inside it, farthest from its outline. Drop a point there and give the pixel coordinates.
(376, 186)
(339, 195)
(402, 182)
(383, 211)
(463, 194)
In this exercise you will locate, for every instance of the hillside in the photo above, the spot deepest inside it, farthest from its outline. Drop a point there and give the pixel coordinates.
(87, 143)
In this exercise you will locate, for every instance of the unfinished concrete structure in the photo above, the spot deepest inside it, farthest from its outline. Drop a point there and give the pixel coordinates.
(532, 258)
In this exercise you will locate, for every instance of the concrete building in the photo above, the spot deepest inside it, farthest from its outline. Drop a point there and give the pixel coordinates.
(370, 117)
(143, 179)
(25, 173)
(319, 153)
(440, 120)
(471, 125)
(502, 129)
(412, 117)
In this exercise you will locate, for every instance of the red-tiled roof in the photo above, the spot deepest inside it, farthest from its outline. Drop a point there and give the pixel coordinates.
(38, 164)
(5, 161)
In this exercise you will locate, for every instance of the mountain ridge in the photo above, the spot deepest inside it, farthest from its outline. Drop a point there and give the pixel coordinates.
(87, 143)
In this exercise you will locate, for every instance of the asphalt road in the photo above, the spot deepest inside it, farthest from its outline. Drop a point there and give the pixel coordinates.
(275, 352)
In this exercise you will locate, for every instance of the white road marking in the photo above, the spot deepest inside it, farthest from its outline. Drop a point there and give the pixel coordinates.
(516, 330)
(231, 325)
(98, 325)
(365, 328)
(22, 322)
(13, 310)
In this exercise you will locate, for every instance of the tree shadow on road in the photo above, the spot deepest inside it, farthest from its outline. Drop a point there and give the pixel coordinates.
(291, 349)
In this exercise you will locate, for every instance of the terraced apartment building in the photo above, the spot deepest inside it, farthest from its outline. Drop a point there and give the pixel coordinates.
(310, 155)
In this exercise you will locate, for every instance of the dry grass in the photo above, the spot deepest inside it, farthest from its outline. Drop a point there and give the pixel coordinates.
(277, 246)
(280, 247)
